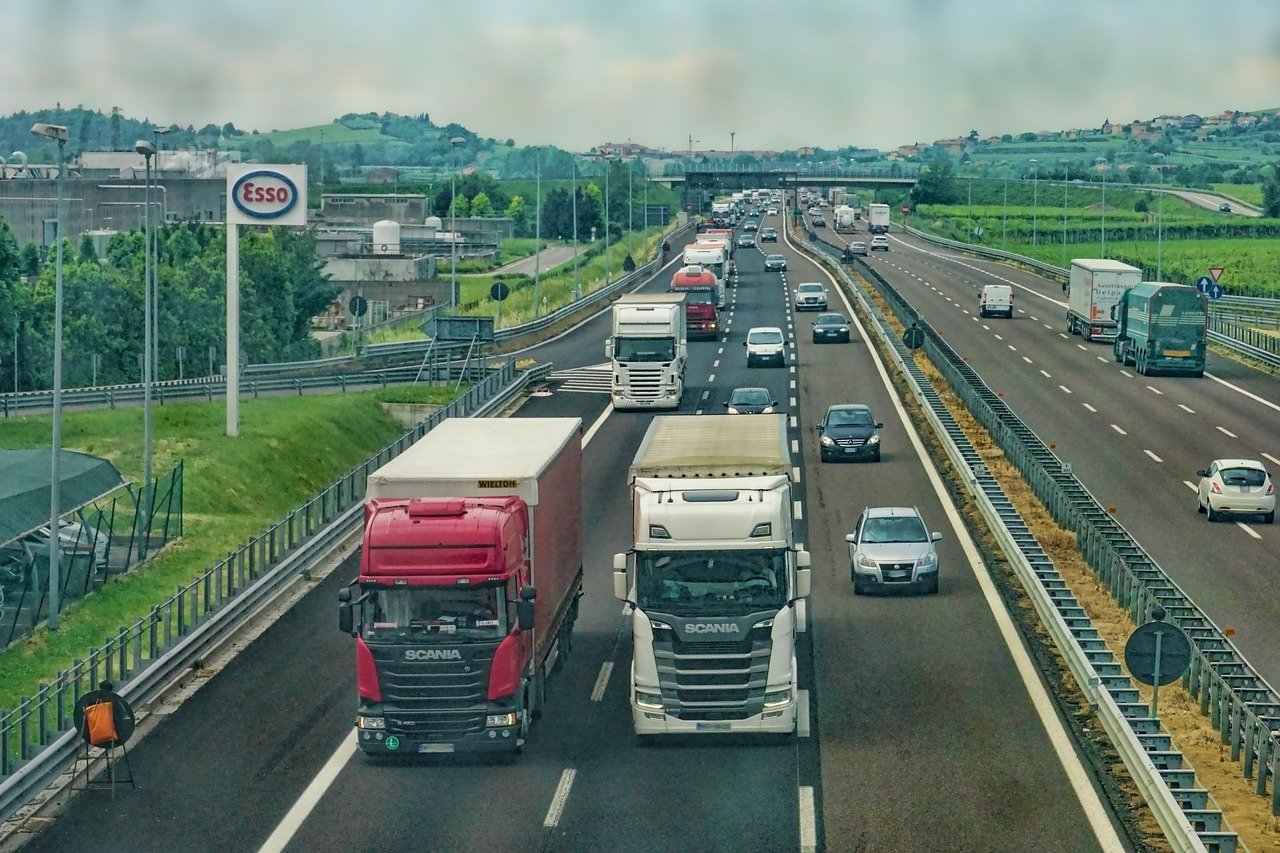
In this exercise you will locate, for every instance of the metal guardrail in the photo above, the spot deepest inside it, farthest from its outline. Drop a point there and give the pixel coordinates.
(37, 742)
(1223, 329)
(1240, 703)
(1144, 748)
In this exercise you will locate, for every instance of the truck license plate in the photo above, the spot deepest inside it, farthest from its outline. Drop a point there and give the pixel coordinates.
(435, 747)
(712, 727)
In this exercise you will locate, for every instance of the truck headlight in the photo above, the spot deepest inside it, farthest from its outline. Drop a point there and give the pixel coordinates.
(508, 719)
(827, 441)
(649, 700)
(366, 722)
(777, 698)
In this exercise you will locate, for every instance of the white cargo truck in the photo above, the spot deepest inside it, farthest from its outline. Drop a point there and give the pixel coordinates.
(846, 220)
(878, 218)
(648, 349)
(717, 580)
(1094, 288)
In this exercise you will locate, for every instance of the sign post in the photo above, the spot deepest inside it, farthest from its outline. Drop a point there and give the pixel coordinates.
(257, 194)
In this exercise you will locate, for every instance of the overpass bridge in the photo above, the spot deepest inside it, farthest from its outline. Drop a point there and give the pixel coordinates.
(698, 187)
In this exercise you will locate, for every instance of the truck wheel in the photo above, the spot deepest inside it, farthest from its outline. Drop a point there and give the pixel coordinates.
(1086, 333)
(1141, 363)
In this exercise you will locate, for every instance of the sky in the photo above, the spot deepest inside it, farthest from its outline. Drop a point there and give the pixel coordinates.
(663, 73)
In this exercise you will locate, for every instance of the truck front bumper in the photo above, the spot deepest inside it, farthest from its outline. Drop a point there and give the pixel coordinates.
(377, 741)
(669, 400)
(650, 721)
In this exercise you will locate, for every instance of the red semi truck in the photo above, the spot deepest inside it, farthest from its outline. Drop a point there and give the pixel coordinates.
(700, 286)
(470, 574)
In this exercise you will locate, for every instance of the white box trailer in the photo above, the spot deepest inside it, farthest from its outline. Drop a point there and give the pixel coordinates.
(1094, 288)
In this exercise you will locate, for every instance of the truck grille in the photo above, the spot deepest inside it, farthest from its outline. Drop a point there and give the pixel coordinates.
(434, 700)
(645, 383)
(718, 680)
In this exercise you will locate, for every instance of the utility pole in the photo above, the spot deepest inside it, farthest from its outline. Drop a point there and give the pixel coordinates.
(732, 134)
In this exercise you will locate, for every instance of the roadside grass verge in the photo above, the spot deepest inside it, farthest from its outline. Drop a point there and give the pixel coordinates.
(289, 449)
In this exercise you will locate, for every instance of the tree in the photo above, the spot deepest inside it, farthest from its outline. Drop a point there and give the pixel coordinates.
(519, 215)
(88, 252)
(1271, 195)
(28, 259)
(937, 183)
(481, 205)
(461, 207)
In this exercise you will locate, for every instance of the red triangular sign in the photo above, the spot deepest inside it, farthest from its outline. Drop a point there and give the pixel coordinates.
(1216, 273)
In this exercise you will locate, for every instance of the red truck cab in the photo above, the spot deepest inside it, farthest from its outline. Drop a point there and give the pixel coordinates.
(702, 320)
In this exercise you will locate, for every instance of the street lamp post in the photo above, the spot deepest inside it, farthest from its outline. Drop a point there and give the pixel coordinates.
(537, 242)
(1035, 174)
(1065, 166)
(1159, 214)
(453, 224)
(1102, 161)
(631, 210)
(608, 267)
(577, 286)
(57, 133)
(156, 133)
(1004, 210)
(148, 151)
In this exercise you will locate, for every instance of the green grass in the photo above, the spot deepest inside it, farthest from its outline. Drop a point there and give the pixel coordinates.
(1250, 193)
(334, 134)
(289, 449)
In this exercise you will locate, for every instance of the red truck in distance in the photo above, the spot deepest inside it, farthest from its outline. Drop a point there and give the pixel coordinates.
(701, 318)
(470, 574)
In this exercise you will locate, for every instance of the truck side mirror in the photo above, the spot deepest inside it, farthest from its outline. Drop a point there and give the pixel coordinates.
(620, 577)
(608, 349)
(524, 615)
(344, 594)
(528, 593)
(803, 582)
(346, 620)
(744, 343)
(803, 559)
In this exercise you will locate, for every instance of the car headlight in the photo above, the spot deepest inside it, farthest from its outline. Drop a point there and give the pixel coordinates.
(866, 562)
(364, 721)
(843, 329)
(930, 559)
(508, 719)
(777, 698)
(826, 441)
(731, 410)
(768, 410)
(649, 700)
(875, 439)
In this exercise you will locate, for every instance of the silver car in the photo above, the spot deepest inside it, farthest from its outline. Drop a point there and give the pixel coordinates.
(811, 296)
(890, 547)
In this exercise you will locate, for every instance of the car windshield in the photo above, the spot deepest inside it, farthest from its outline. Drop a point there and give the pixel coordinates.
(811, 288)
(770, 337)
(886, 530)
(1242, 477)
(750, 397)
(689, 583)
(775, 259)
(849, 417)
(830, 320)
(465, 611)
(644, 349)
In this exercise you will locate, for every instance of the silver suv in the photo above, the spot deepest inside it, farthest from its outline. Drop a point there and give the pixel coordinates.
(811, 296)
(891, 547)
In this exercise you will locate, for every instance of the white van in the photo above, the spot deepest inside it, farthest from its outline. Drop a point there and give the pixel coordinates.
(996, 299)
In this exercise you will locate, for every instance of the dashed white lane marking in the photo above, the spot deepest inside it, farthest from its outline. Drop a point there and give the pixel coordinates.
(602, 681)
(795, 474)
(1117, 429)
(1045, 373)
(1090, 408)
(1027, 360)
(794, 422)
(1247, 529)
(1189, 411)
(797, 510)
(802, 713)
(1082, 347)
(1155, 390)
(715, 363)
(1060, 334)
(1228, 433)
(1012, 347)
(1065, 389)
(561, 797)
(793, 384)
(1124, 372)
(706, 394)
(711, 378)
(1101, 359)
(720, 351)
(998, 338)
(808, 822)
(1192, 486)
(1152, 455)
(793, 402)
(795, 447)
(1268, 455)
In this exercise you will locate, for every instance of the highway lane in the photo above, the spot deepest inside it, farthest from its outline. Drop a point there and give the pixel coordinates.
(927, 730)
(1134, 441)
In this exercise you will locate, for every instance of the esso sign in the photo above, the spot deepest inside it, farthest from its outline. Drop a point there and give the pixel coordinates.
(264, 194)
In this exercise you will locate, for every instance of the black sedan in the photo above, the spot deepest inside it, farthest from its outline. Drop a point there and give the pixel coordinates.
(849, 431)
(751, 401)
(831, 328)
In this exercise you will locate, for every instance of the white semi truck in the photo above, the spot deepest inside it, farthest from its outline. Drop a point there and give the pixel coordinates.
(717, 580)
(1094, 288)
(878, 218)
(648, 349)
(846, 220)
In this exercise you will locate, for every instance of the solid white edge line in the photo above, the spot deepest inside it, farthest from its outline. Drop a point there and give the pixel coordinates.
(1240, 390)
(556, 810)
(297, 814)
(1095, 812)
(595, 427)
(602, 681)
(808, 821)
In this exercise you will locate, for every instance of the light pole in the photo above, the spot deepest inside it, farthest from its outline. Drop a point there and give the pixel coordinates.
(57, 133)
(156, 133)
(1004, 210)
(577, 287)
(1159, 214)
(608, 266)
(453, 223)
(1102, 161)
(631, 211)
(1065, 166)
(1035, 174)
(148, 151)
(537, 242)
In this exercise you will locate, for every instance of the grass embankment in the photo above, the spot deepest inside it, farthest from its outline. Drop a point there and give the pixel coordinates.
(556, 285)
(289, 449)
(513, 249)
(1248, 193)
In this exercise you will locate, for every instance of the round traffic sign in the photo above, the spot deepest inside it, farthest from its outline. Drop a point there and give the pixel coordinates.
(499, 291)
(913, 338)
(358, 306)
(1215, 291)
(1203, 283)
(1174, 655)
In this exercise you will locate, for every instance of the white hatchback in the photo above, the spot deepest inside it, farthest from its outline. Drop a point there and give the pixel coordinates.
(1236, 487)
(766, 345)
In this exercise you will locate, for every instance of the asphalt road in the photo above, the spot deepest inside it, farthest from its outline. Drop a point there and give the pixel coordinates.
(925, 733)
(1134, 441)
(1211, 201)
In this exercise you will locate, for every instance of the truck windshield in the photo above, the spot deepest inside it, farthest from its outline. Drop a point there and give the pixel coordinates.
(693, 583)
(477, 612)
(644, 349)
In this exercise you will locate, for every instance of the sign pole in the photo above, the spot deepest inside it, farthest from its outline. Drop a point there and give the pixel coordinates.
(1155, 688)
(233, 329)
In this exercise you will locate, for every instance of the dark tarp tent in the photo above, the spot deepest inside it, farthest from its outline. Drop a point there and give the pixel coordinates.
(24, 487)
